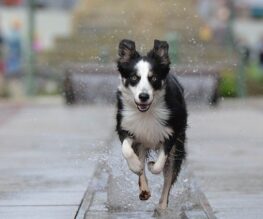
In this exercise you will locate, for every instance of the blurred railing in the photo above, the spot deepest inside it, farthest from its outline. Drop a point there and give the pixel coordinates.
(94, 83)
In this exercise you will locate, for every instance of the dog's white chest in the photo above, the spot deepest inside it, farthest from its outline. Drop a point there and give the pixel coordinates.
(148, 127)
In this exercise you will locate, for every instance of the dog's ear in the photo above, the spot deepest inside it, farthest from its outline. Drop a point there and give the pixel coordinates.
(127, 51)
(160, 51)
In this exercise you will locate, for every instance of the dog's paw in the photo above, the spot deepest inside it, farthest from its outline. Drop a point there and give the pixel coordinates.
(135, 165)
(153, 168)
(144, 195)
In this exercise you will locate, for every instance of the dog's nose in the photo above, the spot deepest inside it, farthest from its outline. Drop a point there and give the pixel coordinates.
(144, 97)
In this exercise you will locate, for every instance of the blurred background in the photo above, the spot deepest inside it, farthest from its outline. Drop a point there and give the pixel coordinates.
(41, 39)
(57, 85)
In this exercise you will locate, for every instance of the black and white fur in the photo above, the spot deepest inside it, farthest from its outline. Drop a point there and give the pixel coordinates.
(151, 115)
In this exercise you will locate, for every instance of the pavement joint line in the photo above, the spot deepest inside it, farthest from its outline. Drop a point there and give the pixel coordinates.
(207, 208)
(10, 206)
(89, 193)
(205, 205)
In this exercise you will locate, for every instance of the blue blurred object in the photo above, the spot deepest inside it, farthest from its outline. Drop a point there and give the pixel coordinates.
(256, 12)
(1, 52)
(13, 63)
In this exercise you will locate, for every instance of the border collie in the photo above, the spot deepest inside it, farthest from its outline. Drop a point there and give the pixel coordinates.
(151, 115)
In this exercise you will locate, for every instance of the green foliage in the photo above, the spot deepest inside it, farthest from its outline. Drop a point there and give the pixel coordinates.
(227, 85)
(254, 81)
(254, 74)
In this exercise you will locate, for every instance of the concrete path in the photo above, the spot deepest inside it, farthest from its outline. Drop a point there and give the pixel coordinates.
(51, 155)
(48, 154)
(226, 152)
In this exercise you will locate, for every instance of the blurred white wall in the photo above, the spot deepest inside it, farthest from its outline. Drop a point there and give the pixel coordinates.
(258, 3)
(249, 30)
(50, 23)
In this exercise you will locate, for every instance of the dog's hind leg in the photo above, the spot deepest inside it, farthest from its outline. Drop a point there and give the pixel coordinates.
(170, 172)
(145, 193)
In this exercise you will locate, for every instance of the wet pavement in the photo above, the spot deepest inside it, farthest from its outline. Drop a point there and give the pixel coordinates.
(226, 149)
(64, 162)
(48, 156)
(114, 193)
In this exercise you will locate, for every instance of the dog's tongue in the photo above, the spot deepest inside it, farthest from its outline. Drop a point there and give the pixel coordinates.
(143, 107)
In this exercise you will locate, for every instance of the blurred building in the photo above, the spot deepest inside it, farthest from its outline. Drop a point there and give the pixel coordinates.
(244, 17)
(250, 8)
(53, 18)
(248, 26)
(99, 25)
(59, 4)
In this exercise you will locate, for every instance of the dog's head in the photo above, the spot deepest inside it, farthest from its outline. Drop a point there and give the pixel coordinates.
(143, 76)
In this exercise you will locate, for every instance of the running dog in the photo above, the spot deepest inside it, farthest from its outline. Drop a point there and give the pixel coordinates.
(151, 115)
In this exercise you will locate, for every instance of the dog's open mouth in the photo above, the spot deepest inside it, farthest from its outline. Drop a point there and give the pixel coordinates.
(143, 107)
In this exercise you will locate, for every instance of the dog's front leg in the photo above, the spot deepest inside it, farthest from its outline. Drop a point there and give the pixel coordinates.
(157, 166)
(145, 193)
(132, 159)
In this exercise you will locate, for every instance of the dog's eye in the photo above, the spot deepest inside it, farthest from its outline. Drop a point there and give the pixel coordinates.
(134, 78)
(154, 78)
